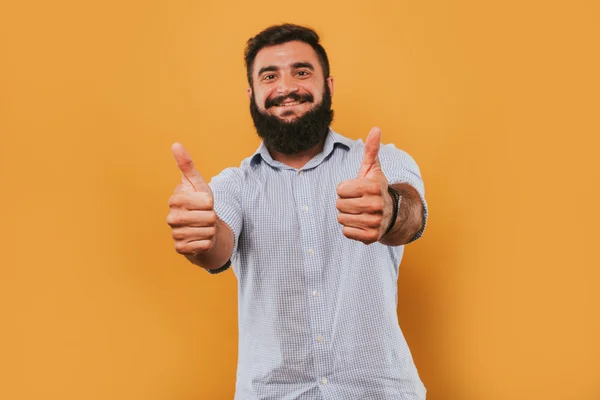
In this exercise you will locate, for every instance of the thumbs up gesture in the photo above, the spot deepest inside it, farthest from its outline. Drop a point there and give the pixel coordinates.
(364, 205)
(192, 216)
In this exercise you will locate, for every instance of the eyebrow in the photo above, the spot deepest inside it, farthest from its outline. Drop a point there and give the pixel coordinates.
(303, 65)
(270, 68)
(296, 65)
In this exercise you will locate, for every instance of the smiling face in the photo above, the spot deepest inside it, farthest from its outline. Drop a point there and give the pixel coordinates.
(290, 100)
(288, 80)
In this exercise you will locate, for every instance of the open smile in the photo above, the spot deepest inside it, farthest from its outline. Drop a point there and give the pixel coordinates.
(290, 104)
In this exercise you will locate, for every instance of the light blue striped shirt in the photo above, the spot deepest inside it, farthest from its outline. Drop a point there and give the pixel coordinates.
(317, 311)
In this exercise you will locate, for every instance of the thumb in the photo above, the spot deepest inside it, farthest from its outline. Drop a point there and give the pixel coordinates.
(186, 165)
(371, 156)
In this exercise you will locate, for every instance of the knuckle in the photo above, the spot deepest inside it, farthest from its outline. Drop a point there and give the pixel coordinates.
(376, 205)
(210, 200)
(180, 247)
(203, 200)
(374, 222)
(173, 201)
(371, 208)
(203, 245)
(186, 164)
(212, 231)
(172, 218)
(212, 217)
(347, 233)
(178, 234)
(373, 236)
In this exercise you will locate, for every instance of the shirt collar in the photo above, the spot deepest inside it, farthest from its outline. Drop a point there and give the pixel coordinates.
(332, 139)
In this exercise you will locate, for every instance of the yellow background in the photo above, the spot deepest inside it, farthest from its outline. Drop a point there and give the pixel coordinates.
(497, 101)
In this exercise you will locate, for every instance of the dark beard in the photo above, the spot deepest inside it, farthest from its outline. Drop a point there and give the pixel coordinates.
(298, 135)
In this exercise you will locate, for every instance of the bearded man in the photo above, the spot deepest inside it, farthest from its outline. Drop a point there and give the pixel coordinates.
(314, 226)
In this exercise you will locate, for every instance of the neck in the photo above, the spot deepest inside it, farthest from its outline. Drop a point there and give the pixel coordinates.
(298, 160)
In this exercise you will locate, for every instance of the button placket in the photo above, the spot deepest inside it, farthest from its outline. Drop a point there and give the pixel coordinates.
(310, 250)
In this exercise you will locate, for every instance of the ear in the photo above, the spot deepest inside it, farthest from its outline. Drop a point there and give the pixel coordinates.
(249, 92)
(330, 84)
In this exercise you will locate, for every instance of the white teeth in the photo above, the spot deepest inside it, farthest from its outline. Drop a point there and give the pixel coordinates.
(289, 104)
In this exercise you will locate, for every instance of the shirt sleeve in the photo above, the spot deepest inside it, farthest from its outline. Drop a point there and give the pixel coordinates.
(226, 188)
(399, 167)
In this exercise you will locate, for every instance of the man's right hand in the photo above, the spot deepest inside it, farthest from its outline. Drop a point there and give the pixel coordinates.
(192, 216)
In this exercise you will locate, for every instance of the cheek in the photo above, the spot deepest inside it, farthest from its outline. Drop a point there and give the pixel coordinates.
(260, 102)
(314, 92)
(318, 94)
(262, 97)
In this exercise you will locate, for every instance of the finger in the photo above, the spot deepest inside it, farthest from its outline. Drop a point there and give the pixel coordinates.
(367, 237)
(192, 201)
(349, 206)
(370, 158)
(360, 221)
(177, 218)
(186, 165)
(353, 188)
(194, 247)
(360, 205)
(188, 234)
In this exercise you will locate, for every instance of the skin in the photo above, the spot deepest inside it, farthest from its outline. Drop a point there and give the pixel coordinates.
(198, 234)
(364, 205)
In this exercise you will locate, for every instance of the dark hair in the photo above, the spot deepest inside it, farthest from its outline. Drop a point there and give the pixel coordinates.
(279, 34)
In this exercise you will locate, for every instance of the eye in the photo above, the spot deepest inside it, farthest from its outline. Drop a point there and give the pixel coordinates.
(268, 77)
(303, 73)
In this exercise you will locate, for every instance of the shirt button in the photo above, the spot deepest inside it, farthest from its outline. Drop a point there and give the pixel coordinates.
(324, 380)
(311, 251)
(315, 293)
(305, 208)
(319, 338)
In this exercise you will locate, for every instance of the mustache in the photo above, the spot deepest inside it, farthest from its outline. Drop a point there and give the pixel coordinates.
(276, 101)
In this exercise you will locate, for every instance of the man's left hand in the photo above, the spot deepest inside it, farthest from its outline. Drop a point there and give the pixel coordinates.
(364, 204)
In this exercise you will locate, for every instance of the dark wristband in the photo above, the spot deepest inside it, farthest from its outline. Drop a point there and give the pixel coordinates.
(395, 204)
(220, 269)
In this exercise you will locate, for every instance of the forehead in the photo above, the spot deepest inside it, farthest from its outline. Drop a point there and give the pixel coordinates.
(285, 54)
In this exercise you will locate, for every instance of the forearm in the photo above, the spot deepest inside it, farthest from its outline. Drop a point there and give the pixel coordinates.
(410, 217)
(221, 251)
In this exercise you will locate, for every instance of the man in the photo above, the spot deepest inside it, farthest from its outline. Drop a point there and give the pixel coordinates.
(314, 225)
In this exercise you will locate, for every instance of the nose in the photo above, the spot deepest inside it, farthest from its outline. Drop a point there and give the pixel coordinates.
(286, 85)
